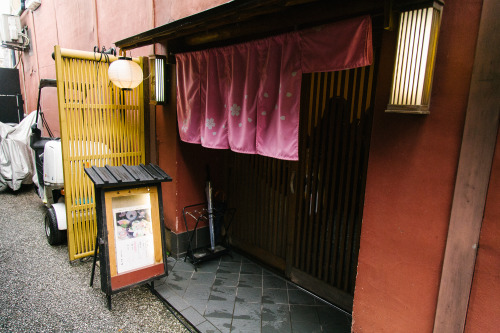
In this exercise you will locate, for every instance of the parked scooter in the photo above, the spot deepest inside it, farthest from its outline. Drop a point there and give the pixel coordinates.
(49, 170)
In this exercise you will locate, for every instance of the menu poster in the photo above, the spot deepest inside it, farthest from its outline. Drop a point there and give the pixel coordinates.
(134, 241)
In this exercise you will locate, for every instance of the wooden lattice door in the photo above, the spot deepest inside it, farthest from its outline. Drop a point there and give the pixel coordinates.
(332, 174)
(304, 218)
(100, 124)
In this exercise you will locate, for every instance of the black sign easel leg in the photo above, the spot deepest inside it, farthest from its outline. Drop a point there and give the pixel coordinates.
(95, 260)
(108, 297)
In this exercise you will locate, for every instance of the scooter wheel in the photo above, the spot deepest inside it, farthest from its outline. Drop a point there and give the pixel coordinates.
(54, 235)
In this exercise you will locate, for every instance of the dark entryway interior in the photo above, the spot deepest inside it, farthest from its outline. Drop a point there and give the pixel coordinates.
(304, 218)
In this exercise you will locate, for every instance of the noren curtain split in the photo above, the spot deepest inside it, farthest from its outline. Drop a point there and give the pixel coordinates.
(246, 97)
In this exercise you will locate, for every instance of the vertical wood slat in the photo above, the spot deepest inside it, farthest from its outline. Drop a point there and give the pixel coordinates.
(92, 133)
(318, 156)
(332, 157)
(261, 183)
(328, 125)
(300, 180)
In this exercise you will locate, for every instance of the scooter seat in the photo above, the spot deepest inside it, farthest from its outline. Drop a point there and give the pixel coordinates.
(40, 144)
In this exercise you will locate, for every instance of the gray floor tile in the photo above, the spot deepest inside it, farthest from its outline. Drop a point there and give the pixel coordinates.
(250, 280)
(276, 327)
(196, 292)
(275, 312)
(226, 279)
(305, 327)
(275, 296)
(207, 327)
(222, 296)
(247, 311)
(193, 316)
(229, 267)
(179, 281)
(208, 266)
(307, 313)
(178, 303)
(222, 324)
(180, 276)
(222, 293)
(166, 291)
(206, 278)
(219, 309)
(248, 294)
(233, 257)
(250, 268)
(330, 315)
(298, 296)
(179, 286)
(273, 282)
(245, 326)
(180, 265)
(199, 305)
(170, 263)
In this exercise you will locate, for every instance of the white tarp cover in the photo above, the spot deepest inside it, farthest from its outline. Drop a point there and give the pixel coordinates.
(17, 164)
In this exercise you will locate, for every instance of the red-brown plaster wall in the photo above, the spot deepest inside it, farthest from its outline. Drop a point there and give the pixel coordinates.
(484, 304)
(192, 161)
(70, 24)
(83, 24)
(183, 8)
(411, 176)
(75, 23)
(117, 20)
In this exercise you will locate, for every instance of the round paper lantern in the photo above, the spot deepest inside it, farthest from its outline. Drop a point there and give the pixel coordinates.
(124, 73)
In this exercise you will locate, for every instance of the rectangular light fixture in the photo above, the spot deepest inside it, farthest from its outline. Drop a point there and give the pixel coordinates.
(158, 79)
(415, 57)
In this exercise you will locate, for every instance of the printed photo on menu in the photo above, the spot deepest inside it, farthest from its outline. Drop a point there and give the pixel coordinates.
(133, 238)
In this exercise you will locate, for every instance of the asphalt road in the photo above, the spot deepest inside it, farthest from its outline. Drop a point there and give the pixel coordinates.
(41, 291)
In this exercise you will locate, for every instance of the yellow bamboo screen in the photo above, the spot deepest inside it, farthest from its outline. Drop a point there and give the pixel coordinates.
(100, 124)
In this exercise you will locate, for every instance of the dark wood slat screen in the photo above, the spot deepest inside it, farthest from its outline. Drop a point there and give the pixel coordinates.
(261, 186)
(333, 161)
(304, 217)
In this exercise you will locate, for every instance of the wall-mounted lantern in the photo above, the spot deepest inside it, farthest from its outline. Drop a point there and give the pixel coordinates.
(125, 73)
(158, 79)
(415, 57)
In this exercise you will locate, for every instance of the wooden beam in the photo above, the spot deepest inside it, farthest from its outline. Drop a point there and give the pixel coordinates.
(239, 19)
(281, 20)
(474, 168)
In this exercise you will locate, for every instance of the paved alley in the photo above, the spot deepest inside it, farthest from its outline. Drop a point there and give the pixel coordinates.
(41, 291)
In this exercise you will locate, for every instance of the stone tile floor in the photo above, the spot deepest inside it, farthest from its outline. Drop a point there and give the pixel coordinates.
(233, 294)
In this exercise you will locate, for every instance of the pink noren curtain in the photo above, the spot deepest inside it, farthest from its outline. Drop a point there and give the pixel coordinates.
(246, 97)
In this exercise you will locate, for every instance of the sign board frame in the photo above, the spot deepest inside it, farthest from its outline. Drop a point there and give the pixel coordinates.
(130, 226)
(138, 274)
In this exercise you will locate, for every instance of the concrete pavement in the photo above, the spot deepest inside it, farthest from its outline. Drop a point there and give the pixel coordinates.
(41, 291)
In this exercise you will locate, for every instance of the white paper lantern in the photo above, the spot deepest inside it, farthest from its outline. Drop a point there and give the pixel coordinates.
(124, 73)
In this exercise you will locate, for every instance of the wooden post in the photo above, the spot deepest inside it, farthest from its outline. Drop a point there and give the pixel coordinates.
(474, 168)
